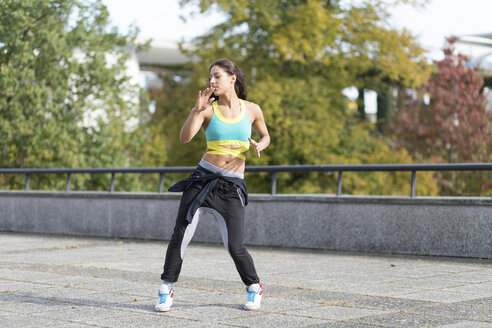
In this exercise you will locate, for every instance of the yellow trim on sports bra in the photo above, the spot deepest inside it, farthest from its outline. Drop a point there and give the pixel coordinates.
(219, 149)
(234, 120)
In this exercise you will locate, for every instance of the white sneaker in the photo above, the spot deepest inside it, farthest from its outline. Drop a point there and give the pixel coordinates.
(255, 293)
(165, 300)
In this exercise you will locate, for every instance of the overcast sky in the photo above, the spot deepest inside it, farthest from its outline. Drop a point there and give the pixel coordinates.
(160, 19)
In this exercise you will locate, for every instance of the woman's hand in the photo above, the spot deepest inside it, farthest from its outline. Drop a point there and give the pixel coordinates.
(256, 146)
(197, 115)
(204, 100)
(260, 127)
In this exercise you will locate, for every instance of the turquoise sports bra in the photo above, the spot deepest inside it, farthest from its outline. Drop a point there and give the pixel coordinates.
(223, 131)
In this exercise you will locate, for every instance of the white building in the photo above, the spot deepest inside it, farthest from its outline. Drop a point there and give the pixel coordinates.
(162, 59)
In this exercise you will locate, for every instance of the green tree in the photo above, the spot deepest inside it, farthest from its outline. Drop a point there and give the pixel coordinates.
(66, 99)
(379, 57)
(298, 57)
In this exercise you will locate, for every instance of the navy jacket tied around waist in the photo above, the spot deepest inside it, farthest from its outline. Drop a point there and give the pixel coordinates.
(202, 174)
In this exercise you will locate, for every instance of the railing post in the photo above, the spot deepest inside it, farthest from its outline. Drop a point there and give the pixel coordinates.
(339, 183)
(111, 188)
(68, 181)
(414, 177)
(161, 182)
(27, 181)
(274, 183)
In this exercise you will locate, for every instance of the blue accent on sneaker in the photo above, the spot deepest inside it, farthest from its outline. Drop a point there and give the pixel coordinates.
(251, 295)
(163, 297)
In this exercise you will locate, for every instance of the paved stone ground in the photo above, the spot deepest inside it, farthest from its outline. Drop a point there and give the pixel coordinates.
(56, 281)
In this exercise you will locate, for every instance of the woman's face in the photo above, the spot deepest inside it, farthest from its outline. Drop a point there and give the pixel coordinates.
(221, 81)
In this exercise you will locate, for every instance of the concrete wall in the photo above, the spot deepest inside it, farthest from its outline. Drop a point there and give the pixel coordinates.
(422, 226)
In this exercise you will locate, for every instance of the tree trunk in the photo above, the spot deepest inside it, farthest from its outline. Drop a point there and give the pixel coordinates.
(385, 103)
(361, 106)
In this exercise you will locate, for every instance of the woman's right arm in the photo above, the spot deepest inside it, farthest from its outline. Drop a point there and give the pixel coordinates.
(197, 116)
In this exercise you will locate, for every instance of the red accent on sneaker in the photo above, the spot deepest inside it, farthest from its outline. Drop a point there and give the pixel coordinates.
(261, 289)
(172, 294)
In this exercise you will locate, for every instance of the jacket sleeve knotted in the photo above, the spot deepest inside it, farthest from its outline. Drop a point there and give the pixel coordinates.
(202, 195)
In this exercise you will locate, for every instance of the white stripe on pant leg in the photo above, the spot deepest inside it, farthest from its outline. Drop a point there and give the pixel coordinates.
(190, 231)
(223, 228)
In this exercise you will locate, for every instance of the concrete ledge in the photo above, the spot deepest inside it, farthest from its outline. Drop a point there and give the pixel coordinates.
(422, 225)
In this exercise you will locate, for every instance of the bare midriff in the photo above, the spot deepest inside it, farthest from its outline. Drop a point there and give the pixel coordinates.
(227, 162)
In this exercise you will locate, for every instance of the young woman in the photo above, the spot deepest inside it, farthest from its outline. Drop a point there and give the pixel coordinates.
(217, 185)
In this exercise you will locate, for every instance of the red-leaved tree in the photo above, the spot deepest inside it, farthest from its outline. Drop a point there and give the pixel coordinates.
(447, 121)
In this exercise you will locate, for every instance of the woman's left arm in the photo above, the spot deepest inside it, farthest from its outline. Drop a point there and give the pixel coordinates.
(260, 127)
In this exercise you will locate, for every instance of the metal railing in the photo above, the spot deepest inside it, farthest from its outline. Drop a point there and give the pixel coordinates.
(273, 169)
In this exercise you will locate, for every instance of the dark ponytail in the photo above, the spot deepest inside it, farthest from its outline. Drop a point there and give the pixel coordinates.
(231, 68)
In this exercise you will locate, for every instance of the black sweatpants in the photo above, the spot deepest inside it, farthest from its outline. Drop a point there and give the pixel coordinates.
(226, 203)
